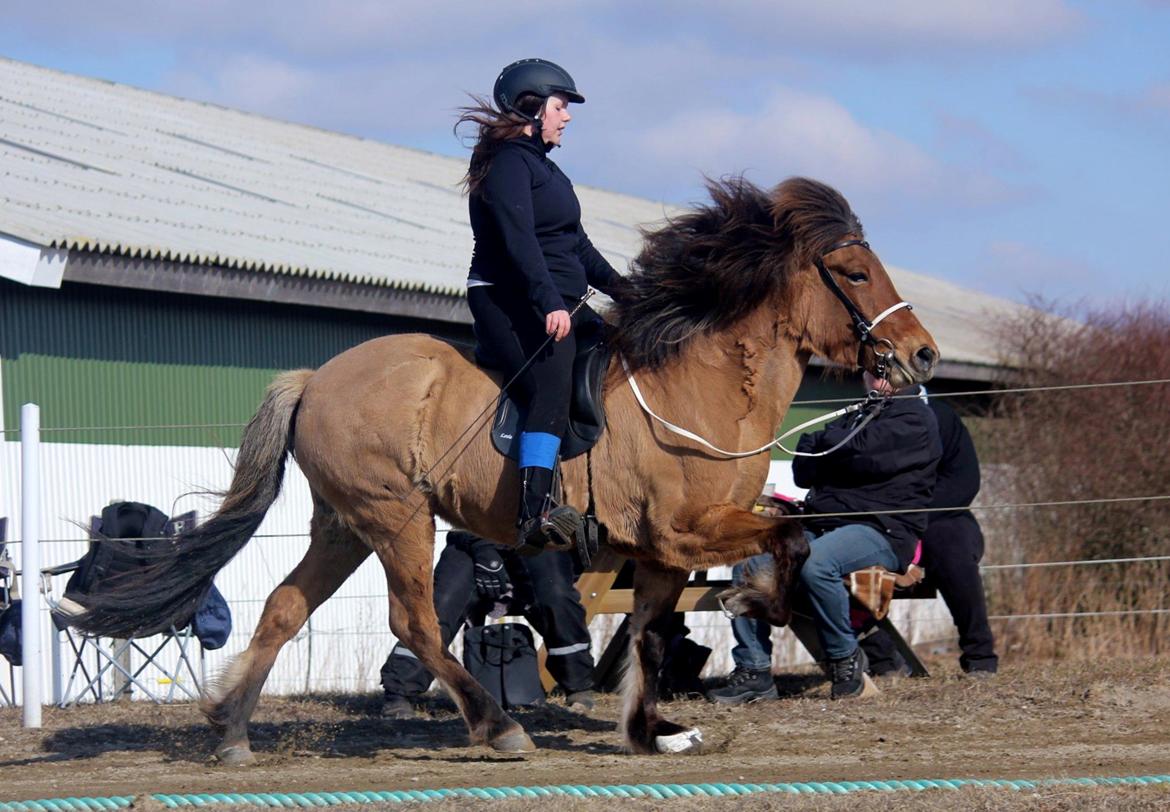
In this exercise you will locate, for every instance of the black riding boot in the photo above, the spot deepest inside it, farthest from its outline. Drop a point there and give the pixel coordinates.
(543, 526)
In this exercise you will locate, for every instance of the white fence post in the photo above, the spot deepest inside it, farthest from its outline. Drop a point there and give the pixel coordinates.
(30, 561)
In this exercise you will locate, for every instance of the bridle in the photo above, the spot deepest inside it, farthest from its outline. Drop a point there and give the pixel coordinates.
(863, 328)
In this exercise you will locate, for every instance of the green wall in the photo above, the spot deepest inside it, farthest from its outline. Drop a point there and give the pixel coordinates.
(98, 359)
(95, 357)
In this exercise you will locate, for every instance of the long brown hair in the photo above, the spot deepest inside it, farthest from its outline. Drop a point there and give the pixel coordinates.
(494, 128)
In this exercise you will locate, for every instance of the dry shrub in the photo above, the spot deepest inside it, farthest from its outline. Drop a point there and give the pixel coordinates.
(1098, 443)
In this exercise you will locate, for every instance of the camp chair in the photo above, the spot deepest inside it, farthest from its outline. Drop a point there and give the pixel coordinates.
(106, 668)
(9, 611)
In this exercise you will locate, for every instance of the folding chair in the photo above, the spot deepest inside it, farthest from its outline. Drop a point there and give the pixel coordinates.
(9, 594)
(106, 668)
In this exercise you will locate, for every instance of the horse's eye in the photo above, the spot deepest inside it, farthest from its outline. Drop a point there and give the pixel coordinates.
(857, 278)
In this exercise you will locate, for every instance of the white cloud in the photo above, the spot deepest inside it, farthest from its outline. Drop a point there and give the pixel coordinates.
(906, 27)
(796, 133)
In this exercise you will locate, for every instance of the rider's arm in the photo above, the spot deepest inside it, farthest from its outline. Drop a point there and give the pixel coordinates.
(598, 272)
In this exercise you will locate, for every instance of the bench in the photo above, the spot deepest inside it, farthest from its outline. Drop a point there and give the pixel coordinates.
(603, 593)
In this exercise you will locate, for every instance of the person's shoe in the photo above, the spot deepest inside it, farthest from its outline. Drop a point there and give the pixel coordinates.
(580, 701)
(745, 685)
(396, 706)
(979, 673)
(849, 678)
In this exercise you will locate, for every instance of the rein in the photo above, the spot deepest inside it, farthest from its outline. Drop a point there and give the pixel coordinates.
(870, 400)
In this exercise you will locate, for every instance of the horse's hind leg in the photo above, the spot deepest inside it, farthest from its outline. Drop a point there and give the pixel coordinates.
(656, 592)
(407, 562)
(333, 554)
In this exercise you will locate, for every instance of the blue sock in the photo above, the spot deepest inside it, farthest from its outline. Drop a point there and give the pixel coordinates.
(538, 449)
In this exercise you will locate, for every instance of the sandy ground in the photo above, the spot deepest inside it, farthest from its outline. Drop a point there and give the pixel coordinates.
(1036, 721)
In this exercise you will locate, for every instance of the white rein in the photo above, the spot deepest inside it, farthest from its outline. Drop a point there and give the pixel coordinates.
(690, 435)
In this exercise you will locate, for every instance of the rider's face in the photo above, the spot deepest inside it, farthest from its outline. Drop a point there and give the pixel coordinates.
(554, 118)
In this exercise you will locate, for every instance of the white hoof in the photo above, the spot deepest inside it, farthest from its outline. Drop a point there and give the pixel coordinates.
(683, 742)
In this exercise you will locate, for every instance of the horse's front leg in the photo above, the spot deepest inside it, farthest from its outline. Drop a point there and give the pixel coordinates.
(656, 592)
(725, 534)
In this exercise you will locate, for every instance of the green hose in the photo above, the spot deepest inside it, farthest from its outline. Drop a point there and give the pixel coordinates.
(657, 791)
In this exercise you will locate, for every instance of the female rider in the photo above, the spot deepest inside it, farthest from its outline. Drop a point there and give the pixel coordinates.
(531, 265)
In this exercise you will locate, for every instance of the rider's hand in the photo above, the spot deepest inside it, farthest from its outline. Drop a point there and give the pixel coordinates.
(491, 579)
(557, 324)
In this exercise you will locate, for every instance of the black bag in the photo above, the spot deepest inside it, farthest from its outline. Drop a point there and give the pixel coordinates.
(502, 658)
(10, 633)
(127, 533)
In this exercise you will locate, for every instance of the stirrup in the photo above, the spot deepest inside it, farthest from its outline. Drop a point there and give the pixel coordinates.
(556, 530)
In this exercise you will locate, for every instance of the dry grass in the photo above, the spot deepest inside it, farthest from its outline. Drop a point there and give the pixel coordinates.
(1088, 444)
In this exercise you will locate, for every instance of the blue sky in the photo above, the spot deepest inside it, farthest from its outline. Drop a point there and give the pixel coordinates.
(1019, 148)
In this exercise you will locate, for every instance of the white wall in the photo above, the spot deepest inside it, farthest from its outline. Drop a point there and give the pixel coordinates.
(349, 635)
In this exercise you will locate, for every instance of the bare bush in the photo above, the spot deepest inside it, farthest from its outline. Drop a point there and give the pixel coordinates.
(1100, 443)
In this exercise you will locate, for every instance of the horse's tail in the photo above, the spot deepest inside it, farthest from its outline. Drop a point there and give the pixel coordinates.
(176, 577)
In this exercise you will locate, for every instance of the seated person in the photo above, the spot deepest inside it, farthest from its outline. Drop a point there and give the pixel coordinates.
(888, 465)
(473, 578)
(952, 547)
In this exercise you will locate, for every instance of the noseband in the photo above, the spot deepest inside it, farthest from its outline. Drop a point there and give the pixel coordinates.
(863, 328)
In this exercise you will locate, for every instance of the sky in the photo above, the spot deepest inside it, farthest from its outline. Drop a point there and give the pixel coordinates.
(1017, 148)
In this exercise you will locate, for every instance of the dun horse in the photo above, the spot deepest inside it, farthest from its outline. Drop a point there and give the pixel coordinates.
(733, 299)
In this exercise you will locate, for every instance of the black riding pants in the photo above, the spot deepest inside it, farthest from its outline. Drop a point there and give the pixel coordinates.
(510, 331)
(952, 548)
(543, 592)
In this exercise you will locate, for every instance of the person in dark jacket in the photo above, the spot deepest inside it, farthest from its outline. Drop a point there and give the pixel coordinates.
(952, 547)
(888, 465)
(473, 579)
(531, 266)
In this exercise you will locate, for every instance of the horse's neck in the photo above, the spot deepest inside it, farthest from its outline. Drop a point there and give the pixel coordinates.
(744, 377)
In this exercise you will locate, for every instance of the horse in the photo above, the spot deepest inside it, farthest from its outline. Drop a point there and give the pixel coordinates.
(731, 300)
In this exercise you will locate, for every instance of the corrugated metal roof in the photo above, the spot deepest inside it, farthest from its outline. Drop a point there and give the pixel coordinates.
(94, 165)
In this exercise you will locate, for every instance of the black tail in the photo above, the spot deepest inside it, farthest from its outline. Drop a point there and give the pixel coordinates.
(176, 577)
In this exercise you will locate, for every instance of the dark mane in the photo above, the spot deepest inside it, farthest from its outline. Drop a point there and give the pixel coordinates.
(712, 266)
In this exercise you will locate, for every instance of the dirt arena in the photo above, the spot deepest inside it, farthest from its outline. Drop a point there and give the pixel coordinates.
(1035, 721)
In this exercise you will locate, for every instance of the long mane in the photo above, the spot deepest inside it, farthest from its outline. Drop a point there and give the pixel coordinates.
(707, 269)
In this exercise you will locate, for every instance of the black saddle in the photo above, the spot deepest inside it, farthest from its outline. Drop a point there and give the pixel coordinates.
(586, 410)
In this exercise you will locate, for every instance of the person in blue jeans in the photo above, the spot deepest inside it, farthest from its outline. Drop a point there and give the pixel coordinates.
(889, 465)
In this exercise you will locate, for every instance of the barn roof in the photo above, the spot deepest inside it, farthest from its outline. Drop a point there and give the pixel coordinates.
(101, 168)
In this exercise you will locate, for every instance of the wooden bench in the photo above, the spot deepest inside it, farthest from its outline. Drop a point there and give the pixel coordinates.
(600, 595)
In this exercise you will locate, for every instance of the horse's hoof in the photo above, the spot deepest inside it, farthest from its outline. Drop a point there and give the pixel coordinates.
(235, 756)
(514, 741)
(689, 741)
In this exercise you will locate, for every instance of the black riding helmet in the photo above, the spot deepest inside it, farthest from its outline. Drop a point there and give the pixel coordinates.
(537, 76)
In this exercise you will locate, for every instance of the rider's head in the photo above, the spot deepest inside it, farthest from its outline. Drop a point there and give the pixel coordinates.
(533, 77)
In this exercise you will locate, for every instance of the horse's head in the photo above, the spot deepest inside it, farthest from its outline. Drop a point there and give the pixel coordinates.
(847, 308)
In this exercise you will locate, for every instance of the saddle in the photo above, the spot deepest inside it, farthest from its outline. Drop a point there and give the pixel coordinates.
(586, 410)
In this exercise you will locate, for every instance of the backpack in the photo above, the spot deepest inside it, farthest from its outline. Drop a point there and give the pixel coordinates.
(502, 658)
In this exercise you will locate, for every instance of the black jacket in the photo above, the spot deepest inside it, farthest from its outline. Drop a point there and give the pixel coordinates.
(889, 465)
(958, 470)
(527, 226)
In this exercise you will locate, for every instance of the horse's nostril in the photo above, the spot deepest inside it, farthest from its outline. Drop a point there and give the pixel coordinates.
(924, 359)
